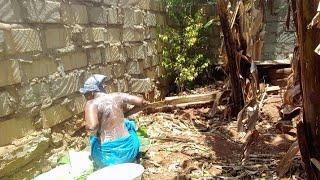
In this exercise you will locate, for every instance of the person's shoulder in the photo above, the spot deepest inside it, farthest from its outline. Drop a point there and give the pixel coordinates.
(105, 97)
(90, 102)
(120, 96)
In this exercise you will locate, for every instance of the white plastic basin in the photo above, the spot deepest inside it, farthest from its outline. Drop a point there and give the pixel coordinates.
(126, 171)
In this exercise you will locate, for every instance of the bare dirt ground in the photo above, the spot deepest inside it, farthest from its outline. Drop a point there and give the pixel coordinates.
(186, 144)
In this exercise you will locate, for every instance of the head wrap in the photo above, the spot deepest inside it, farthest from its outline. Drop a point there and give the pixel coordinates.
(93, 84)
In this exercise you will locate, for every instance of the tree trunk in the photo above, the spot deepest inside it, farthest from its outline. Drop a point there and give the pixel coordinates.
(294, 13)
(305, 150)
(310, 80)
(233, 57)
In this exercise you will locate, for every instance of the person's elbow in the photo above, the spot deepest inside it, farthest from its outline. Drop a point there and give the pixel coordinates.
(92, 126)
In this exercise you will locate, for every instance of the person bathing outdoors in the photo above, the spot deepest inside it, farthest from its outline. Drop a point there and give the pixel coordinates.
(113, 138)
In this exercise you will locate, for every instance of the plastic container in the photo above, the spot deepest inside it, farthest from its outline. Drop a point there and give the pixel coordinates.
(126, 171)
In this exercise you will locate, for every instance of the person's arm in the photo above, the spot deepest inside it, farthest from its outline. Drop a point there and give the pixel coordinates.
(139, 103)
(91, 116)
(134, 100)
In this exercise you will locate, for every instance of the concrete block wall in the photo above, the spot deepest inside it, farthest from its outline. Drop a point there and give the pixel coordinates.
(279, 41)
(49, 47)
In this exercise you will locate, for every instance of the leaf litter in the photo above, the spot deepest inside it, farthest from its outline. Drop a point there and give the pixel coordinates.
(194, 143)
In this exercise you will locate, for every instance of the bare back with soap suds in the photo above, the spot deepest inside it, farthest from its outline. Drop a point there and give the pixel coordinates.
(111, 114)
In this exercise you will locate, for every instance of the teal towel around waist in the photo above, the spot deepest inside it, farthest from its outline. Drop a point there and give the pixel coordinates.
(121, 150)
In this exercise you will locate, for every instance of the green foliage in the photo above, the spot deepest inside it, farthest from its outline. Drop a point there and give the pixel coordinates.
(144, 139)
(186, 42)
(142, 132)
(65, 159)
(85, 174)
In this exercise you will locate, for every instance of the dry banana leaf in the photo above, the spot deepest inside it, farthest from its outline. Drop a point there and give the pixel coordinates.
(286, 161)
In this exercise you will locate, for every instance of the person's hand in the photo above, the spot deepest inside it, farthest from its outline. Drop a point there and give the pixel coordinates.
(145, 103)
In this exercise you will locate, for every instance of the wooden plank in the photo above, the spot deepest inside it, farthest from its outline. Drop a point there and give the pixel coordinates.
(190, 98)
(185, 100)
(178, 101)
(286, 71)
(272, 89)
(190, 104)
(273, 62)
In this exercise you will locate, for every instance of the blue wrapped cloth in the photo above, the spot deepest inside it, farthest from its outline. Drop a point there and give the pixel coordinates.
(122, 150)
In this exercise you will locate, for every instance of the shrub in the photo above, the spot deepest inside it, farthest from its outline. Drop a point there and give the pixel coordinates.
(185, 42)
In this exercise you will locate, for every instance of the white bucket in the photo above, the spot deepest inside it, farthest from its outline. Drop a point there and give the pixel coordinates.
(126, 171)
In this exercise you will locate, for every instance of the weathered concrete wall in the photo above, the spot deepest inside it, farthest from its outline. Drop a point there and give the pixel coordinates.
(279, 41)
(49, 47)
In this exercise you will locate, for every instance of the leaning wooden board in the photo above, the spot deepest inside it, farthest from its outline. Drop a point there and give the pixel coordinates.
(179, 101)
(186, 99)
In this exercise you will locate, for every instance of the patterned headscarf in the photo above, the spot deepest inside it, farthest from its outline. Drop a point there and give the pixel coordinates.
(93, 84)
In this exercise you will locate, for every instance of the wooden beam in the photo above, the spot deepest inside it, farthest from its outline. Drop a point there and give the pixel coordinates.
(190, 98)
(178, 101)
(272, 89)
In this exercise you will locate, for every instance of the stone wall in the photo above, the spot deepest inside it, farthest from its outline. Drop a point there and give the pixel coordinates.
(279, 41)
(49, 47)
